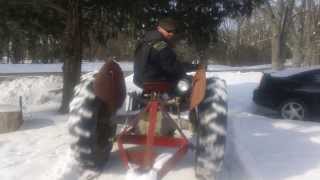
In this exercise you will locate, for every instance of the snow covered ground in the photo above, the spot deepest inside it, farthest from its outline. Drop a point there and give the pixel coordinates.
(32, 68)
(88, 67)
(258, 147)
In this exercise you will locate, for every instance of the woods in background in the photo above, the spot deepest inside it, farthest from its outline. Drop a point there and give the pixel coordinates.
(216, 31)
(276, 31)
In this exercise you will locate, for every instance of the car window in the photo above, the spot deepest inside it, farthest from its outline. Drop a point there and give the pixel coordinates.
(309, 77)
(316, 78)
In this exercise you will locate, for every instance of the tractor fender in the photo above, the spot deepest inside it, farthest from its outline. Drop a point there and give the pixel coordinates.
(198, 88)
(109, 85)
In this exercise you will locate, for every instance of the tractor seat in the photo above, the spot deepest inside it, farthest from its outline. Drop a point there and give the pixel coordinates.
(157, 87)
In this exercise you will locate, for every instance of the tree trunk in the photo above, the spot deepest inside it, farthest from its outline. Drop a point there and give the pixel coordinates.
(277, 58)
(312, 33)
(308, 35)
(45, 50)
(8, 52)
(279, 21)
(73, 54)
(17, 50)
(238, 41)
(297, 35)
(32, 48)
(297, 56)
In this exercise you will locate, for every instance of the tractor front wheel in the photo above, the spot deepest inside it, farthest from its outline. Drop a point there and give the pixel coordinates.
(211, 129)
(89, 124)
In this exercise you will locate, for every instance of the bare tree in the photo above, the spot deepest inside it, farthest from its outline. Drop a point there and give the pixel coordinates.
(73, 53)
(278, 12)
(296, 38)
(312, 25)
(245, 40)
(304, 40)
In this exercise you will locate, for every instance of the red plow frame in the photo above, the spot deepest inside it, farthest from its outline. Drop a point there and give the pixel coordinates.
(145, 157)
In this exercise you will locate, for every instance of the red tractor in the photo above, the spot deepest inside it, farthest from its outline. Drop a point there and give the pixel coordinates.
(153, 118)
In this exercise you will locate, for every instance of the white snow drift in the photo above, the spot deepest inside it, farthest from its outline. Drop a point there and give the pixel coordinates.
(258, 147)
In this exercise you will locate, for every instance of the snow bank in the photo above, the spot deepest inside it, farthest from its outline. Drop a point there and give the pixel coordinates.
(257, 147)
(34, 91)
(276, 149)
(47, 68)
(8, 108)
(220, 68)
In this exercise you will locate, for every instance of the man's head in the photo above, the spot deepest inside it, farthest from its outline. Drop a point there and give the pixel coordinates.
(167, 27)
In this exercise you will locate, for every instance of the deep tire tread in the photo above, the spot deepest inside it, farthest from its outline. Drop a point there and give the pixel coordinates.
(88, 126)
(212, 113)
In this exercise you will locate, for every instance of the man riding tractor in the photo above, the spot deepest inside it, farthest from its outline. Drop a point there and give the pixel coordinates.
(156, 60)
(94, 110)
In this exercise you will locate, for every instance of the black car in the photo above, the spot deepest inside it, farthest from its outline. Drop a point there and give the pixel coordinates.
(294, 93)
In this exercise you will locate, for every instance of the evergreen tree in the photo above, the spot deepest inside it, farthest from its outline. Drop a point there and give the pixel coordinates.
(71, 21)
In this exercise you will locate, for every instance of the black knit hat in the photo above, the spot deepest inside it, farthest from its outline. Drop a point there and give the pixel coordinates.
(168, 24)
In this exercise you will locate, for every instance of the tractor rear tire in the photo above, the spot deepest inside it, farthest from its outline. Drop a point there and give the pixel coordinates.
(90, 127)
(211, 130)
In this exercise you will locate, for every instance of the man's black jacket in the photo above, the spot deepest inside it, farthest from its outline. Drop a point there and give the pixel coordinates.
(155, 60)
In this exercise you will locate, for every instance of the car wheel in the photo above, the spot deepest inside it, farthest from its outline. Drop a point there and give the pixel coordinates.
(294, 110)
